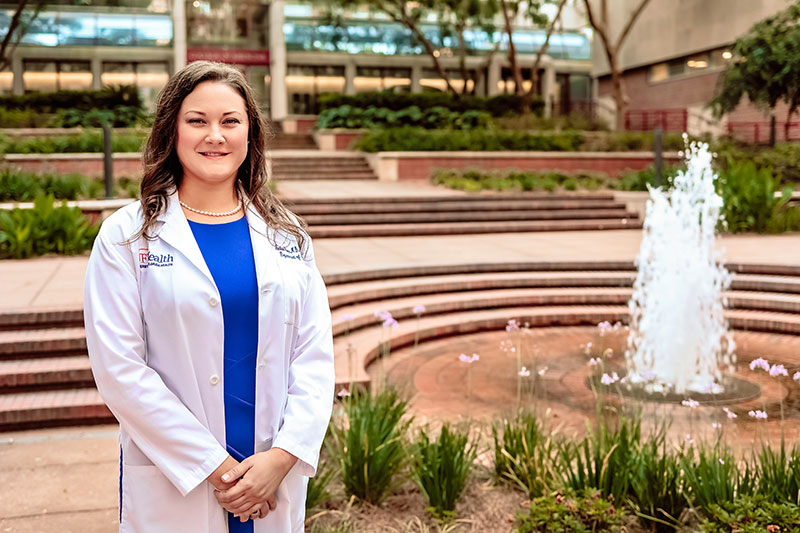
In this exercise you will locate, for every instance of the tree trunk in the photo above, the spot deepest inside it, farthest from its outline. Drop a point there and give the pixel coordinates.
(618, 91)
(512, 53)
(543, 50)
(429, 48)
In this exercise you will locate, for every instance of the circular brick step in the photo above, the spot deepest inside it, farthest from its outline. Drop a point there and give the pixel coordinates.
(465, 228)
(459, 198)
(45, 373)
(488, 216)
(455, 206)
(53, 408)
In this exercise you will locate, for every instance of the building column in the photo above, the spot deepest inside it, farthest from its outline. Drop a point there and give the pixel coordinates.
(18, 83)
(495, 70)
(179, 34)
(549, 88)
(279, 102)
(350, 78)
(416, 76)
(97, 73)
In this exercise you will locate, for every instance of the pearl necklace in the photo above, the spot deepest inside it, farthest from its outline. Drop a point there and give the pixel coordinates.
(212, 213)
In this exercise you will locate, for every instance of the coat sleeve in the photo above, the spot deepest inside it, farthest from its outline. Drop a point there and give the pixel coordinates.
(311, 379)
(158, 422)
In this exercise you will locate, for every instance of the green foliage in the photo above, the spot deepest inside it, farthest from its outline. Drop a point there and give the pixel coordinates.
(441, 467)
(46, 228)
(751, 514)
(382, 117)
(656, 491)
(603, 460)
(88, 141)
(749, 201)
(516, 180)
(370, 448)
(713, 476)
(639, 180)
(496, 106)
(20, 186)
(765, 65)
(779, 471)
(524, 454)
(317, 491)
(419, 139)
(557, 513)
(784, 159)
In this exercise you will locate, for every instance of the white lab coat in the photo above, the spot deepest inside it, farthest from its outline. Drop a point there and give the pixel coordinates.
(154, 332)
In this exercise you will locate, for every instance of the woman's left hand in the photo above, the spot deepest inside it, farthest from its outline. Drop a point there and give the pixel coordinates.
(258, 478)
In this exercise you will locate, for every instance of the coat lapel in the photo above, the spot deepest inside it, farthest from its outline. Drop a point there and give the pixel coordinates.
(175, 230)
(264, 253)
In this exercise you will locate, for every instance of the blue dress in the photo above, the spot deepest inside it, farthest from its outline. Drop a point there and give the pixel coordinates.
(228, 253)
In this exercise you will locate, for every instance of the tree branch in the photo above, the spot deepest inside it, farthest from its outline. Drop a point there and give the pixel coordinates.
(631, 20)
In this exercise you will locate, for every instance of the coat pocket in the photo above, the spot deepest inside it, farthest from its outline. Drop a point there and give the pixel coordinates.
(152, 504)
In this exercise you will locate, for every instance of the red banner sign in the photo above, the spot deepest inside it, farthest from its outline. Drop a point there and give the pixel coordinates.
(233, 56)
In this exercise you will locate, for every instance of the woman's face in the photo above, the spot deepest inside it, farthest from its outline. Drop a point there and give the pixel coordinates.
(212, 133)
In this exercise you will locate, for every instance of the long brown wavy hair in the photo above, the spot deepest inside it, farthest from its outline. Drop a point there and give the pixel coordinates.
(162, 168)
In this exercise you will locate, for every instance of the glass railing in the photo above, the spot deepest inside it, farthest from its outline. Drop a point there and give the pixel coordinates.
(70, 28)
(376, 37)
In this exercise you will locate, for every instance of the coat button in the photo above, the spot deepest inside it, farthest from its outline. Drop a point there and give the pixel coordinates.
(214, 379)
(212, 302)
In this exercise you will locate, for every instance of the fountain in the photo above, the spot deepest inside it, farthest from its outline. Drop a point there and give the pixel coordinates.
(679, 340)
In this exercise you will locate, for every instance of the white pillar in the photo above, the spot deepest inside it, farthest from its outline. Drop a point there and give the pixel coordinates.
(97, 73)
(350, 78)
(549, 88)
(18, 83)
(495, 66)
(277, 62)
(416, 76)
(179, 34)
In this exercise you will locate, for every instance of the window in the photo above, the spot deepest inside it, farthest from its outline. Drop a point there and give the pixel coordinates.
(148, 77)
(370, 79)
(49, 76)
(687, 66)
(304, 83)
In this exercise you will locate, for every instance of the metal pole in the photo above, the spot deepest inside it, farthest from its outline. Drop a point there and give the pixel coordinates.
(658, 156)
(772, 131)
(108, 161)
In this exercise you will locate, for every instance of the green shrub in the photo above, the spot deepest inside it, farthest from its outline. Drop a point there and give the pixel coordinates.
(88, 141)
(25, 118)
(20, 186)
(751, 514)
(524, 454)
(419, 139)
(433, 118)
(714, 476)
(784, 159)
(370, 448)
(52, 102)
(46, 228)
(496, 106)
(557, 513)
(656, 492)
(603, 460)
(779, 473)
(515, 180)
(749, 201)
(441, 467)
(317, 490)
(638, 180)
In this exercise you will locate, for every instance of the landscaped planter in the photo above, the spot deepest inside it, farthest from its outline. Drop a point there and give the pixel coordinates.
(337, 139)
(88, 164)
(407, 166)
(298, 123)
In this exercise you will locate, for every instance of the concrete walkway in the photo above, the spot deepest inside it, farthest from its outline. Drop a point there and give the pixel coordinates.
(65, 480)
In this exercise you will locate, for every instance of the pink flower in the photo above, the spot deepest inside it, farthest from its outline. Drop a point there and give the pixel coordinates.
(344, 393)
(716, 425)
(721, 461)
(730, 413)
(759, 363)
(512, 325)
(595, 361)
(542, 371)
(608, 353)
(464, 358)
(419, 309)
(778, 370)
(690, 403)
(758, 413)
(524, 372)
(383, 315)
(796, 377)
(689, 439)
(390, 322)
(608, 380)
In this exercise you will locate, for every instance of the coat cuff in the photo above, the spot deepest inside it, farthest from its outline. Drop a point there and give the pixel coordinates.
(306, 457)
(196, 476)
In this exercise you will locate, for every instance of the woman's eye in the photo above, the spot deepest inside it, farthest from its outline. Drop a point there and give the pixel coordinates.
(232, 121)
(195, 120)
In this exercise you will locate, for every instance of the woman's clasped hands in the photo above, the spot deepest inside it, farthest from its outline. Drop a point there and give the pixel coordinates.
(255, 481)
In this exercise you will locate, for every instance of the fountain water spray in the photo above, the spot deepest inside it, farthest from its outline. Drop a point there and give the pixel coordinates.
(679, 339)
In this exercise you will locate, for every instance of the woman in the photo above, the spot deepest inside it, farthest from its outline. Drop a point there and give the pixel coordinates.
(208, 324)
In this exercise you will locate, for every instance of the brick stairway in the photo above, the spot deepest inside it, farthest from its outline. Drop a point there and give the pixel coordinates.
(320, 166)
(466, 214)
(45, 379)
(292, 141)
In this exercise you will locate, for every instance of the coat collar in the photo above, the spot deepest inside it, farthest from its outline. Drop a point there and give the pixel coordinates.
(175, 230)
